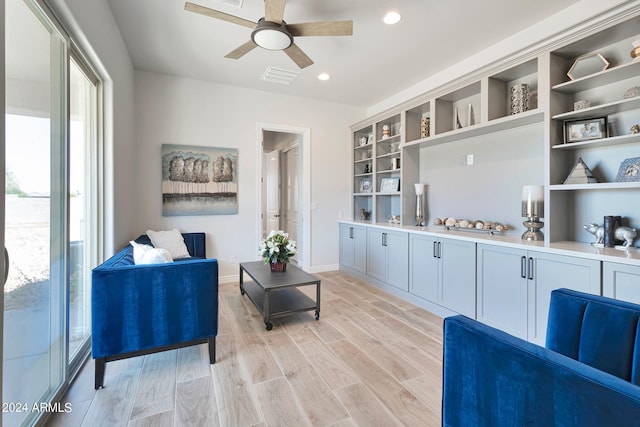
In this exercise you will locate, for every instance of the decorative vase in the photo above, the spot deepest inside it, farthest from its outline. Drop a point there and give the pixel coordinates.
(419, 204)
(519, 98)
(278, 267)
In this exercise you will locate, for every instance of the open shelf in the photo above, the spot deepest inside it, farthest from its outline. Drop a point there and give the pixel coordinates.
(596, 143)
(596, 186)
(602, 78)
(497, 125)
(601, 110)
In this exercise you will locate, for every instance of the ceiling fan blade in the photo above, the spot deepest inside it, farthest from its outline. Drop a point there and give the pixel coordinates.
(274, 10)
(298, 56)
(191, 7)
(327, 28)
(241, 50)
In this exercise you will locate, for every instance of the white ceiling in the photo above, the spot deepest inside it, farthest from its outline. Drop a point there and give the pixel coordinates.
(373, 64)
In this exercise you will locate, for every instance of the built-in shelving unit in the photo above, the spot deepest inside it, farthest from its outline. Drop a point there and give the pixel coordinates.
(571, 206)
(405, 142)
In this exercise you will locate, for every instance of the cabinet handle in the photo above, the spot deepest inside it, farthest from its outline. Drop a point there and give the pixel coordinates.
(530, 266)
(523, 267)
(435, 250)
(439, 250)
(351, 232)
(384, 239)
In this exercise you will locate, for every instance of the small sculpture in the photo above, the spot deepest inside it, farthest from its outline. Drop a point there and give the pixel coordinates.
(626, 234)
(364, 215)
(635, 128)
(386, 131)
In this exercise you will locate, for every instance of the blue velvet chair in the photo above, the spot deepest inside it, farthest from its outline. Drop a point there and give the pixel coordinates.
(587, 375)
(141, 309)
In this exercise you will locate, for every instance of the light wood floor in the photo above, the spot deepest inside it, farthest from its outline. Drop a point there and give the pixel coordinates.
(371, 360)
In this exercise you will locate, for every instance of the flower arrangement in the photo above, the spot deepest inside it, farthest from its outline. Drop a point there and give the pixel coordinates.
(277, 247)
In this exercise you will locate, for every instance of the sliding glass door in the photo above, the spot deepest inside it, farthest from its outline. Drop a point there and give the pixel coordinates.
(51, 162)
(35, 211)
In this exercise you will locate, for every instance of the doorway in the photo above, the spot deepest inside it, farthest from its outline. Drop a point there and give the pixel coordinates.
(284, 185)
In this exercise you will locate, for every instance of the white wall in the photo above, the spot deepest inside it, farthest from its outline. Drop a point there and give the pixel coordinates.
(172, 110)
(93, 27)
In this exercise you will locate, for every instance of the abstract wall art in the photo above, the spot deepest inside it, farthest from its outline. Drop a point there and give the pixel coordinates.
(199, 180)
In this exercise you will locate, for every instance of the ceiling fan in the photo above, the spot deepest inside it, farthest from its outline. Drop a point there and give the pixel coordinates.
(272, 33)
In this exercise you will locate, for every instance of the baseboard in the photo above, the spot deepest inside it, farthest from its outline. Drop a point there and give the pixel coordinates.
(324, 268)
(400, 293)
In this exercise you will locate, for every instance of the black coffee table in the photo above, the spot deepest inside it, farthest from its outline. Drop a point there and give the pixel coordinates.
(276, 294)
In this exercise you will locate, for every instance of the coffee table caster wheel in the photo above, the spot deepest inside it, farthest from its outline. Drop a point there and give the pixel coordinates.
(317, 315)
(268, 325)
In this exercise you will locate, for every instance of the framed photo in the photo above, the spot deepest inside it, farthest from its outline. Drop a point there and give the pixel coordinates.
(629, 170)
(370, 139)
(365, 186)
(584, 130)
(389, 185)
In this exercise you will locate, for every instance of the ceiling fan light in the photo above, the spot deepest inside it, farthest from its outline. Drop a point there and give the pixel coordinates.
(271, 36)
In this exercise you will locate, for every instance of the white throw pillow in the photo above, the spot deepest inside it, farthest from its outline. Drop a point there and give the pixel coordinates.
(145, 254)
(170, 240)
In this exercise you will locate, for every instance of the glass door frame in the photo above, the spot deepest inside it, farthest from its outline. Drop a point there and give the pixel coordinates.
(93, 158)
(61, 146)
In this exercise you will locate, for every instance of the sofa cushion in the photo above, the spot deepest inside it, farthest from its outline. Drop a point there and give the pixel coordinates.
(600, 332)
(146, 254)
(170, 240)
(607, 339)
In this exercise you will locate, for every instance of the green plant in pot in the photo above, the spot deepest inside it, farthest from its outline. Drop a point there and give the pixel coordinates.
(276, 250)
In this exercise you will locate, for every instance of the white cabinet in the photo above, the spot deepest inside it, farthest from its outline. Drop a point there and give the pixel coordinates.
(621, 281)
(514, 287)
(388, 257)
(353, 247)
(502, 289)
(423, 267)
(553, 272)
(443, 271)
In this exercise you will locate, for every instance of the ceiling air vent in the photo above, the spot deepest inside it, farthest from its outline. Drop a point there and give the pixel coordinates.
(279, 75)
(234, 3)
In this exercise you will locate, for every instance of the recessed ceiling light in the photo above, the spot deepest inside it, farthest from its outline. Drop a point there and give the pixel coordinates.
(392, 18)
(324, 76)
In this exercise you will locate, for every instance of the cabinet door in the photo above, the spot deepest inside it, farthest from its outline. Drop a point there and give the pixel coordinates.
(423, 267)
(376, 254)
(621, 281)
(346, 246)
(397, 245)
(360, 249)
(551, 272)
(502, 289)
(458, 276)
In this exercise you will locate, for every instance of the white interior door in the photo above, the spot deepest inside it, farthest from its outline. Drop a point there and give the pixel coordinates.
(272, 186)
(293, 207)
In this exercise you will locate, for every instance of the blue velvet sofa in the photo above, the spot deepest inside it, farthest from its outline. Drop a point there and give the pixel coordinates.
(141, 309)
(587, 375)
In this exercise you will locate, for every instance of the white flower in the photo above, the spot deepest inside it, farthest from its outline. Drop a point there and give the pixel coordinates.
(277, 247)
